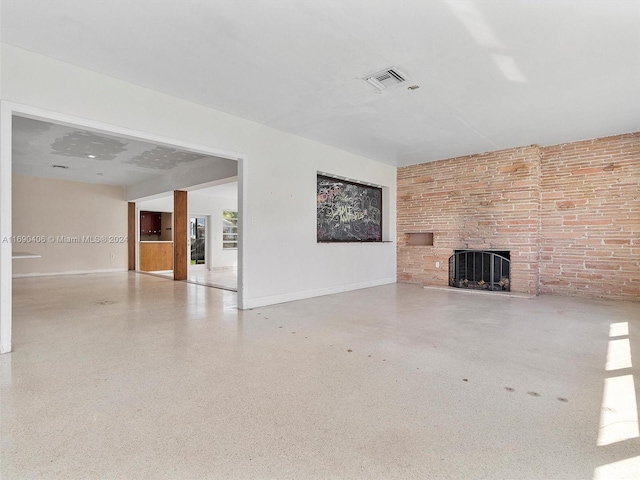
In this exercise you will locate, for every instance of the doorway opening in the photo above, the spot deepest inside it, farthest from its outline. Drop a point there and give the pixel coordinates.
(134, 174)
(198, 242)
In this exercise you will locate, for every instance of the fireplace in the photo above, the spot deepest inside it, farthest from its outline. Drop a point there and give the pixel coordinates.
(480, 270)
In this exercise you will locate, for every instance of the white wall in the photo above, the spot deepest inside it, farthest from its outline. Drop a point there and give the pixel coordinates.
(203, 171)
(75, 227)
(280, 259)
(5, 223)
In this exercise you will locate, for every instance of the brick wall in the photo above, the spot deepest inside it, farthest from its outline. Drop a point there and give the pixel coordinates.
(480, 202)
(590, 242)
(568, 214)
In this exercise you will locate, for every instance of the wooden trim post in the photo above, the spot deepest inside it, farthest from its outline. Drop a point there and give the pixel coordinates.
(180, 221)
(131, 235)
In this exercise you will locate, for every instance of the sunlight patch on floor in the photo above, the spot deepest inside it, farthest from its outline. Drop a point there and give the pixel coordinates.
(618, 355)
(627, 469)
(619, 329)
(619, 412)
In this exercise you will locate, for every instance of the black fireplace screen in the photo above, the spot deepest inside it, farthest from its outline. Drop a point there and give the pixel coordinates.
(482, 270)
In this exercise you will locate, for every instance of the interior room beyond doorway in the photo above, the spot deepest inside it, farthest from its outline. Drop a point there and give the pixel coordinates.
(212, 236)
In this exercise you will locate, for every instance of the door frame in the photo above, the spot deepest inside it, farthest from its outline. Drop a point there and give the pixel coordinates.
(207, 238)
(8, 110)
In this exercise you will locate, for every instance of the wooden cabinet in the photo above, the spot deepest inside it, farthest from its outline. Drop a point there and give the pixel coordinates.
(150, 223)
(156, 256)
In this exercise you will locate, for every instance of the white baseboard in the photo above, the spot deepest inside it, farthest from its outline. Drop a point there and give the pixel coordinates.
(71, 272)
(290, 297)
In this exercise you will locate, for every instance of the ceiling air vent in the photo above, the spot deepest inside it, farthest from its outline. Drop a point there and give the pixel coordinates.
(386, 78)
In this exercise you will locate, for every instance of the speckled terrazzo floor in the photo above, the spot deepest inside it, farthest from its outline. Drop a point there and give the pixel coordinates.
(129, 376)
(225, 278)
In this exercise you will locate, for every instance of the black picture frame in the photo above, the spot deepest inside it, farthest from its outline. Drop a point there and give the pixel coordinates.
(348, 211)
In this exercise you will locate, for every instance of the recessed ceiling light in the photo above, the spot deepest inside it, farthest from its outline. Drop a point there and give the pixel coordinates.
(88, 155)
(413, 87)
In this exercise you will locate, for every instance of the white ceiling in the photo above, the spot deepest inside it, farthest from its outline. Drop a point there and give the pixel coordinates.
(44, 149)
(492, 74)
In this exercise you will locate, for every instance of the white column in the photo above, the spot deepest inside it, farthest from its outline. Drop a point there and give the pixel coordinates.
(5, 228)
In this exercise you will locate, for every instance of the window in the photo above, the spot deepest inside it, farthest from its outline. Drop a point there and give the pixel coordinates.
(229, 229)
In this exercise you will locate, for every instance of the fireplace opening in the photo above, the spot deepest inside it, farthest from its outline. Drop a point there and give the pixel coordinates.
(480, 270)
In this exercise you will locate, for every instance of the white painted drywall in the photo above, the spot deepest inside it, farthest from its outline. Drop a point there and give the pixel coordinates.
(159, 204)
(201, 171)
(75, 227)
(5, 228)
(5, 222)
(281, 260)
